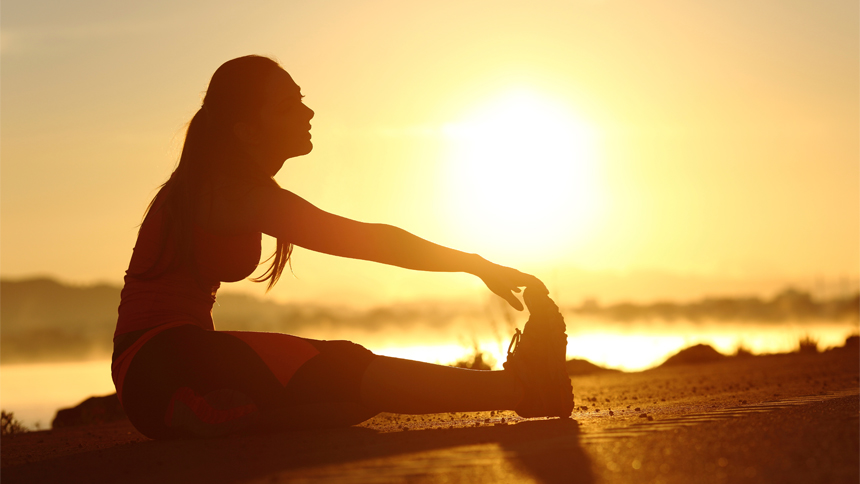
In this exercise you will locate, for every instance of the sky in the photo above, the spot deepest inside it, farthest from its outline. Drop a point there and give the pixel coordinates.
(617, 149)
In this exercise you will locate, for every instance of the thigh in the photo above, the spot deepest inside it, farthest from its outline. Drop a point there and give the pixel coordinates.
(190, 381)
(326, 390)
(188, 374)
(334, 375)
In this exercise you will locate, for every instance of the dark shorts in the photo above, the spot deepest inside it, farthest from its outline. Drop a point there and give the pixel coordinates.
(189, 381)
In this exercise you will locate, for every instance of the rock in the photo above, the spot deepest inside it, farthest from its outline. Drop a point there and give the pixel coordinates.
(90, 411)
(852, 343)
(693, 355)
(577, 366)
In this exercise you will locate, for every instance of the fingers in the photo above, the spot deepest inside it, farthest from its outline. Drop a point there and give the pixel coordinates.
(507, 281)
(513, 301)
(506, 292)
(532, 283)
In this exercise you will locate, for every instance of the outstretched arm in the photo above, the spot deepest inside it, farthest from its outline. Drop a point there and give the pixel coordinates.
(283, 214)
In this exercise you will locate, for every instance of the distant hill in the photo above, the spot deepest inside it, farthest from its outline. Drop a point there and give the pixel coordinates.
(790, 304)
(42, 319)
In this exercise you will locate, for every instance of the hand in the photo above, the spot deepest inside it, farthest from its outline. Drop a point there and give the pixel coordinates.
(505, 281)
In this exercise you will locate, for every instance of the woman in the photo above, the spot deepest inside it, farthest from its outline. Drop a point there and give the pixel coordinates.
(176, 376)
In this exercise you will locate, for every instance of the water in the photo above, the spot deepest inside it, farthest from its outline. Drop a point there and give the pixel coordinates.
(641, 345)
(34, 392)
(645, 345)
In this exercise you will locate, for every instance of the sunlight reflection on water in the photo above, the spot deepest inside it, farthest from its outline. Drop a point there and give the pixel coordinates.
(637, 346)
(34, 392)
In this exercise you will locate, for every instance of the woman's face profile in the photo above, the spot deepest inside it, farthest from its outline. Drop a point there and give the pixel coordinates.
(284, 125)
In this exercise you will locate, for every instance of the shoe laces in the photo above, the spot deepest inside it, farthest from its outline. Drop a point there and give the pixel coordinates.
(515, 341)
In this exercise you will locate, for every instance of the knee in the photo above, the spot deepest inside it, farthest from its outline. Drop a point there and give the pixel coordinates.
(352, 351)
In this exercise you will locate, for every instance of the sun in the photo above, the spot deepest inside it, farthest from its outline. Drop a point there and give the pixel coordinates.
(522, 176)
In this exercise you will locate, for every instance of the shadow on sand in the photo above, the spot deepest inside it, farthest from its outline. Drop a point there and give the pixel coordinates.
(545, 451)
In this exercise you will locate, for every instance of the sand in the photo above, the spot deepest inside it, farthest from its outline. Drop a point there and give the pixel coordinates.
(780, 419)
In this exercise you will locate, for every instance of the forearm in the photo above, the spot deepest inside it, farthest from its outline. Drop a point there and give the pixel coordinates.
(394, 246)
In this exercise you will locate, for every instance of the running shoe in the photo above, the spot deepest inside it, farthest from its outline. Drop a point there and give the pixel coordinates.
(537, 357)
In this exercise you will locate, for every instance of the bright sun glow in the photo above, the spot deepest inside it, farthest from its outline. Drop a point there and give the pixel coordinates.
(522, 175)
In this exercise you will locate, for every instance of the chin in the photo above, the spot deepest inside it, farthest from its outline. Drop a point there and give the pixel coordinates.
(307, 149)
(299, 151)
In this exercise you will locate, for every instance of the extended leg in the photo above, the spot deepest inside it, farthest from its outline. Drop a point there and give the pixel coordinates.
(405, 386)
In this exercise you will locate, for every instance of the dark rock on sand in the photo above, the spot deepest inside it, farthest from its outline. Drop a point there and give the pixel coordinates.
(577, 366)
(852, 343)
(90, 411)
(475, 362)
(694, 355)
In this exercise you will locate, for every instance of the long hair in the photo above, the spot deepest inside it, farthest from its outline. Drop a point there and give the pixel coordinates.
(236, 93)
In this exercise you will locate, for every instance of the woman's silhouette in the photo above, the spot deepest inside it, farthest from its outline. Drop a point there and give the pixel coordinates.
(176, 376)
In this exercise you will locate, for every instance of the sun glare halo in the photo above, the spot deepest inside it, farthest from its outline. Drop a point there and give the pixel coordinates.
(522, 175)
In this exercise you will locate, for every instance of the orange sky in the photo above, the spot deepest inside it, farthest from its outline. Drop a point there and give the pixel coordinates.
(720, 151)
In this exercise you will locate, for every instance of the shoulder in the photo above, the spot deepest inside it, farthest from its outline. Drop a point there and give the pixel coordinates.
(233, 205)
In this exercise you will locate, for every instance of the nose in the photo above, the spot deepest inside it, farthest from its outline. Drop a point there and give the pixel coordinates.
(310, 112)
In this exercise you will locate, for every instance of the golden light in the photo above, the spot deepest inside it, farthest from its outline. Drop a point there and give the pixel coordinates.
(522, 175)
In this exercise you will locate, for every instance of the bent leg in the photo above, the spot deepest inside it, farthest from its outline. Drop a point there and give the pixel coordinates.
(188, 381)
(326, 390)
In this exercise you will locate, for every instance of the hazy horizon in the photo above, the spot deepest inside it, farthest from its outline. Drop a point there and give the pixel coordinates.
(571, 288)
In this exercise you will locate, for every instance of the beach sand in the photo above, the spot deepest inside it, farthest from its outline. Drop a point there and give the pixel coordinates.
(780, 418)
